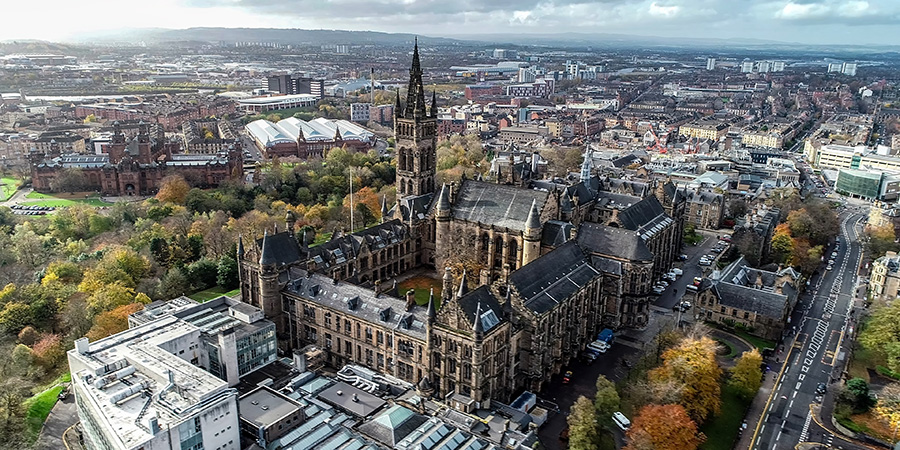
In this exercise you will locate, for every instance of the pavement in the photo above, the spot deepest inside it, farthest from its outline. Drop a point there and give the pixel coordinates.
(63, 416)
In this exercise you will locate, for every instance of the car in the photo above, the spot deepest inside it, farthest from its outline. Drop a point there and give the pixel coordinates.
(663, 283)
(697, 281)
(683, 258)
(567, 378)
(716, 250)
(833, 255)
(829, 267)
(705, 262)
(678, 272)
(658, 290)
(63, 394)
(820, 389)
(685, 306)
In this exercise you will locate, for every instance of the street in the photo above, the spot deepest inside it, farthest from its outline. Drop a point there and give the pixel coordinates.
(813, 355)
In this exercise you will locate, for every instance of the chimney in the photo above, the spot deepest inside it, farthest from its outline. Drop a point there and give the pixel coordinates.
(377, 288)
(355, 398)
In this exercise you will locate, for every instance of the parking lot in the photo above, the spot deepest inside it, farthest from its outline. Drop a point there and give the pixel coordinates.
(23, 210)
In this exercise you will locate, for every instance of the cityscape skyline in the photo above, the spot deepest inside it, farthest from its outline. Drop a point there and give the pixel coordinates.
(854, 22)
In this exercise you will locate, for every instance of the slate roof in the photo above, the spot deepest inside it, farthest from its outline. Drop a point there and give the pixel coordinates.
(494, 204)
(360, 302)
(620, 186)
(763, 302)
(491, 308)
(550, 279)
(647, 217)
(343, 248)
(703, 197)
(614, 242)
(615, 200)
(281, 248)
(556, 233)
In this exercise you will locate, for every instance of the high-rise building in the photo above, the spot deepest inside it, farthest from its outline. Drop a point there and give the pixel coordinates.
(747, 66)
(778, 66)
(848, 69)
(763, 66)
(290, 85)
(710, 63)
(526, 75)
(835, 67)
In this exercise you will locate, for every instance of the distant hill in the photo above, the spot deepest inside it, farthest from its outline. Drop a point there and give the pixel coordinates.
(276, 35)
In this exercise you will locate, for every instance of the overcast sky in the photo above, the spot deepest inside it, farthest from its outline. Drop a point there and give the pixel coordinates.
(807, 21)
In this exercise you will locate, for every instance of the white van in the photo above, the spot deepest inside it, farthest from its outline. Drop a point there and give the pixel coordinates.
(692, 288)
(621, 421)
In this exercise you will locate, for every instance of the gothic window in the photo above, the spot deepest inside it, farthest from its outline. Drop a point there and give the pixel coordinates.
(513, 254)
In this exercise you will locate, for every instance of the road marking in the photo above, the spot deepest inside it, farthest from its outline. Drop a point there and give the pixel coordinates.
(798, 385)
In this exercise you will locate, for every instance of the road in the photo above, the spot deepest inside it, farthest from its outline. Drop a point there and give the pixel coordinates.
(62, 416)
(672, 295)
(814, 351)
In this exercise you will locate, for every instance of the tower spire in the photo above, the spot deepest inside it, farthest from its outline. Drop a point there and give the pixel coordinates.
(415, 95)
(398, 112)
(434, 106)
(586, 164)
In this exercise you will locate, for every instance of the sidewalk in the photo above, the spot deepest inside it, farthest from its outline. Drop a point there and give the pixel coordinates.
(760, 403)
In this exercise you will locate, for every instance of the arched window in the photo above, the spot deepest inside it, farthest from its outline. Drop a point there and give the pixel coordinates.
(513, 254)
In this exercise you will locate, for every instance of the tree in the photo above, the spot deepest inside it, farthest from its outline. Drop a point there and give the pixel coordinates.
(663, 427)
(782, 244)
(112, 322)
(746, 375)
(881, 334)
(203, 273)
(227, 272)
(881, 240)
(606, 401)
(173, 189)
(738, 208)
(583, 433)
(692, 364)
(110, 297)
(856, 394)
(49, 351)
(28, 246)
(16, 316)
(28, 336)
(174, 284)
(70, 179)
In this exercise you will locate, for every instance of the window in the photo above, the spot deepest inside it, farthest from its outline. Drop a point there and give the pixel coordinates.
(328, 340)
(348, 348)
(348, 327)
(379, 336)
(722, 310)
(369, 334)
(746, 315)
(328, 319)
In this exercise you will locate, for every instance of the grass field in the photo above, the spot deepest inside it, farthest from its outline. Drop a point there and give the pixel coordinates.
(759, 342)
(8, 187)
(423, 286)
(722, 431)
(211, 293)
(60, 200)
(39, 406)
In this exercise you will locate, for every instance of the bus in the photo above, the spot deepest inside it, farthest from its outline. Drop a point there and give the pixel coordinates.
(621, 421)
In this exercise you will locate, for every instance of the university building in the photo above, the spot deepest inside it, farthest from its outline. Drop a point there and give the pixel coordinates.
(524, 275)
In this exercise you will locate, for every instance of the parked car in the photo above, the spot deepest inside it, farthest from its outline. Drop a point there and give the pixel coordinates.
(820, 389)
(567, 378)
(685, 305)
(658, 290)
(683, 258)
(678, 272)
(697, 281)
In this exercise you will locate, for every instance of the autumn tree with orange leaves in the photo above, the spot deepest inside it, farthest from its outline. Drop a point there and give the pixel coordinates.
(663, 427)
(173, 189)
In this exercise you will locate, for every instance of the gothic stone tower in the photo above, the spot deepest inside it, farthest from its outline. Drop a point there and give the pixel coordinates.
(416, 134)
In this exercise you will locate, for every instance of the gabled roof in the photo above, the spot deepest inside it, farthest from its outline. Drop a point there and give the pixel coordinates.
(613, 242)
(550, 279)
(491, 308)
(281, 248)
(759, 301)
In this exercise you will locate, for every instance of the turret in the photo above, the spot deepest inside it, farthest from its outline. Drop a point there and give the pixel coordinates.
(269, 293)
(447, 290)
(434, 107)
(384, 210)
(478, 327)
(442, 227)
(532, 237)
(240, 248)
(290, 220)
(463, 287)
(477, 363)
(431, 311)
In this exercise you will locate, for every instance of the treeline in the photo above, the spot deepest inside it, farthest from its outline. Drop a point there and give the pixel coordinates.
(83, 270)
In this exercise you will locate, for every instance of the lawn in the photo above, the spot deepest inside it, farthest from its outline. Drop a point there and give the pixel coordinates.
(423, 286)
(38, 408)
(759, 342)
(8, 187)
(211, 293)
(62, 200)
(722, 431)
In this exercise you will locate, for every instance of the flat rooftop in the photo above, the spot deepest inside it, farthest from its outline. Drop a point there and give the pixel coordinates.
(265, 407)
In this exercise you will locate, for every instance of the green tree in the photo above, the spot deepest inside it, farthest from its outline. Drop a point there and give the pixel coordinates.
(583, 433)
(174, 284)
(782, 244)
(881, 334)
(203, 273)
(227, 272)
(856, 394)
(881, 240)
(746, 375)
(606, 400)
(16, 316)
